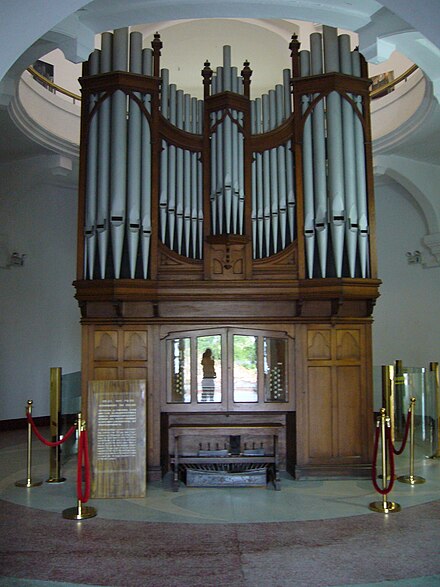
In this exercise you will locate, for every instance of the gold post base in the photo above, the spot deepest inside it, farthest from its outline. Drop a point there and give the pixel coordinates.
(55, 480)
(411, 479)
(384, 507)
(28, 483)
(79, 513)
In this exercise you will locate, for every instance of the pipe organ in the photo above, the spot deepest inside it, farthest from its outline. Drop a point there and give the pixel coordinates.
(232, 211)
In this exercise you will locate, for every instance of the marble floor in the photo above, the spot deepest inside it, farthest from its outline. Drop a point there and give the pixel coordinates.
(297, 502)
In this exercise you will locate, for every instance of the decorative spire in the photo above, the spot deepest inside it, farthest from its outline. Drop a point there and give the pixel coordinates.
(294, 53)
(246, 73)
(207, 77)
(157, 45)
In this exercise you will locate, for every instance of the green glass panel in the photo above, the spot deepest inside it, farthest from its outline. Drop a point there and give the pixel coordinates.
(245, 368)
(209, 369)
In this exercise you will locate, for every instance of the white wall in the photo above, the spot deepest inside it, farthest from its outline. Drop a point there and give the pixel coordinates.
(39, 320)
(407, 315)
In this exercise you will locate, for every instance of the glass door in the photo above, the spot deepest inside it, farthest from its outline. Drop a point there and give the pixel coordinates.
(229, 369)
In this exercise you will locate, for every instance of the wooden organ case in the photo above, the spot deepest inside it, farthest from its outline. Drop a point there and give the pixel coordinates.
(226, 250)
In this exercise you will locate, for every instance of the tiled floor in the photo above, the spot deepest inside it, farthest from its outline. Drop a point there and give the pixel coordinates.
(298, 501)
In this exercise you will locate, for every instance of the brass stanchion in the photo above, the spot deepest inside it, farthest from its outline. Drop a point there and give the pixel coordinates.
(411, 478)
(399, 391)
(384, 506)
(28, 482)
(55, 416)
(80, 512)
(434, 367)
(388, 397)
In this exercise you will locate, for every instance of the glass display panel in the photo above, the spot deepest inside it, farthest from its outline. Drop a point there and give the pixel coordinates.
(420, 384)
(245, 371)
(181, 370)
(274, 360)
(209, 369)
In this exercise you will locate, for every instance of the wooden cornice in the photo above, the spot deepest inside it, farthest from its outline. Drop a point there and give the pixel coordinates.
(168, 290)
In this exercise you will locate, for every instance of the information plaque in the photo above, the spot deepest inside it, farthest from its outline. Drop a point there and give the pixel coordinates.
(117, 435)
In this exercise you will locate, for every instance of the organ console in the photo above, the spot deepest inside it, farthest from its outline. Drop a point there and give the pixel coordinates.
(232, 212)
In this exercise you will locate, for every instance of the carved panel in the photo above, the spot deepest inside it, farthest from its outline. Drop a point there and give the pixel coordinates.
(348, 344)
(349, 411)
(320, 429)
(135, 345)
(227, 261)
(106, 373)
(106, 345)
(135, 373)
(319, 344)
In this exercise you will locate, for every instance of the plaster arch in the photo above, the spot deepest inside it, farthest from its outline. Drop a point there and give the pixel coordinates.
(19, 15)
(418, 197)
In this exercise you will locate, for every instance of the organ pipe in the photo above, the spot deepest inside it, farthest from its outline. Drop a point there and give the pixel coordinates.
(307, 161)
(104, 116)
(91, 185)
(351, 226)
(118, 181)
(319, 158)
(360, 176)
(147, 68)
(118, 153)
(334, 152)
(134, 158)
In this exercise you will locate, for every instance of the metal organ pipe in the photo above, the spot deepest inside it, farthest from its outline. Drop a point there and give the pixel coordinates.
(147, 68)
(307, 163)
(92, 180)
(266, 176)
(134, 158)
(172, 171)
(335, 152)
(351, 224)
(319, 158)
(187, 177)
(199, 130)
(273, 175)
(259, 180)
(119, 173)
(194, 189)
(281, 156)
(219, 201)
(104, 124)
(179, 176)
(289, 159)
(163, 198)
(118, 153)
(360, 176)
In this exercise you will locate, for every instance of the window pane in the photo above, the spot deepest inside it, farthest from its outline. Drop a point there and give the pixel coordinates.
(181, 370)
(275, 384)
(209, 368)
(245, 368)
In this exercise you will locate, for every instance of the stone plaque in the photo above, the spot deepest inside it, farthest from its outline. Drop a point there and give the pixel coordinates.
(117, 437)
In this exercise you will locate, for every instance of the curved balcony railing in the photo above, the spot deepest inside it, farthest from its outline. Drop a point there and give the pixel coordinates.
(41, 114)
(378, 92)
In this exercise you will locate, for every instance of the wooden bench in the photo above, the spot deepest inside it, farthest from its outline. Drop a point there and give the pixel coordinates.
(209, 431)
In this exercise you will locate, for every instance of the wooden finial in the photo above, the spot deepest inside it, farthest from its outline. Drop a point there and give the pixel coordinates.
(246, 74)
(207, 78)
(294, 53)
(156, 44)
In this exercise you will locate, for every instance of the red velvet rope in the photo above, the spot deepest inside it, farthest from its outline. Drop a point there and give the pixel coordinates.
(389, 442)
(405, 436)
(48, 442)
(83, 459)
